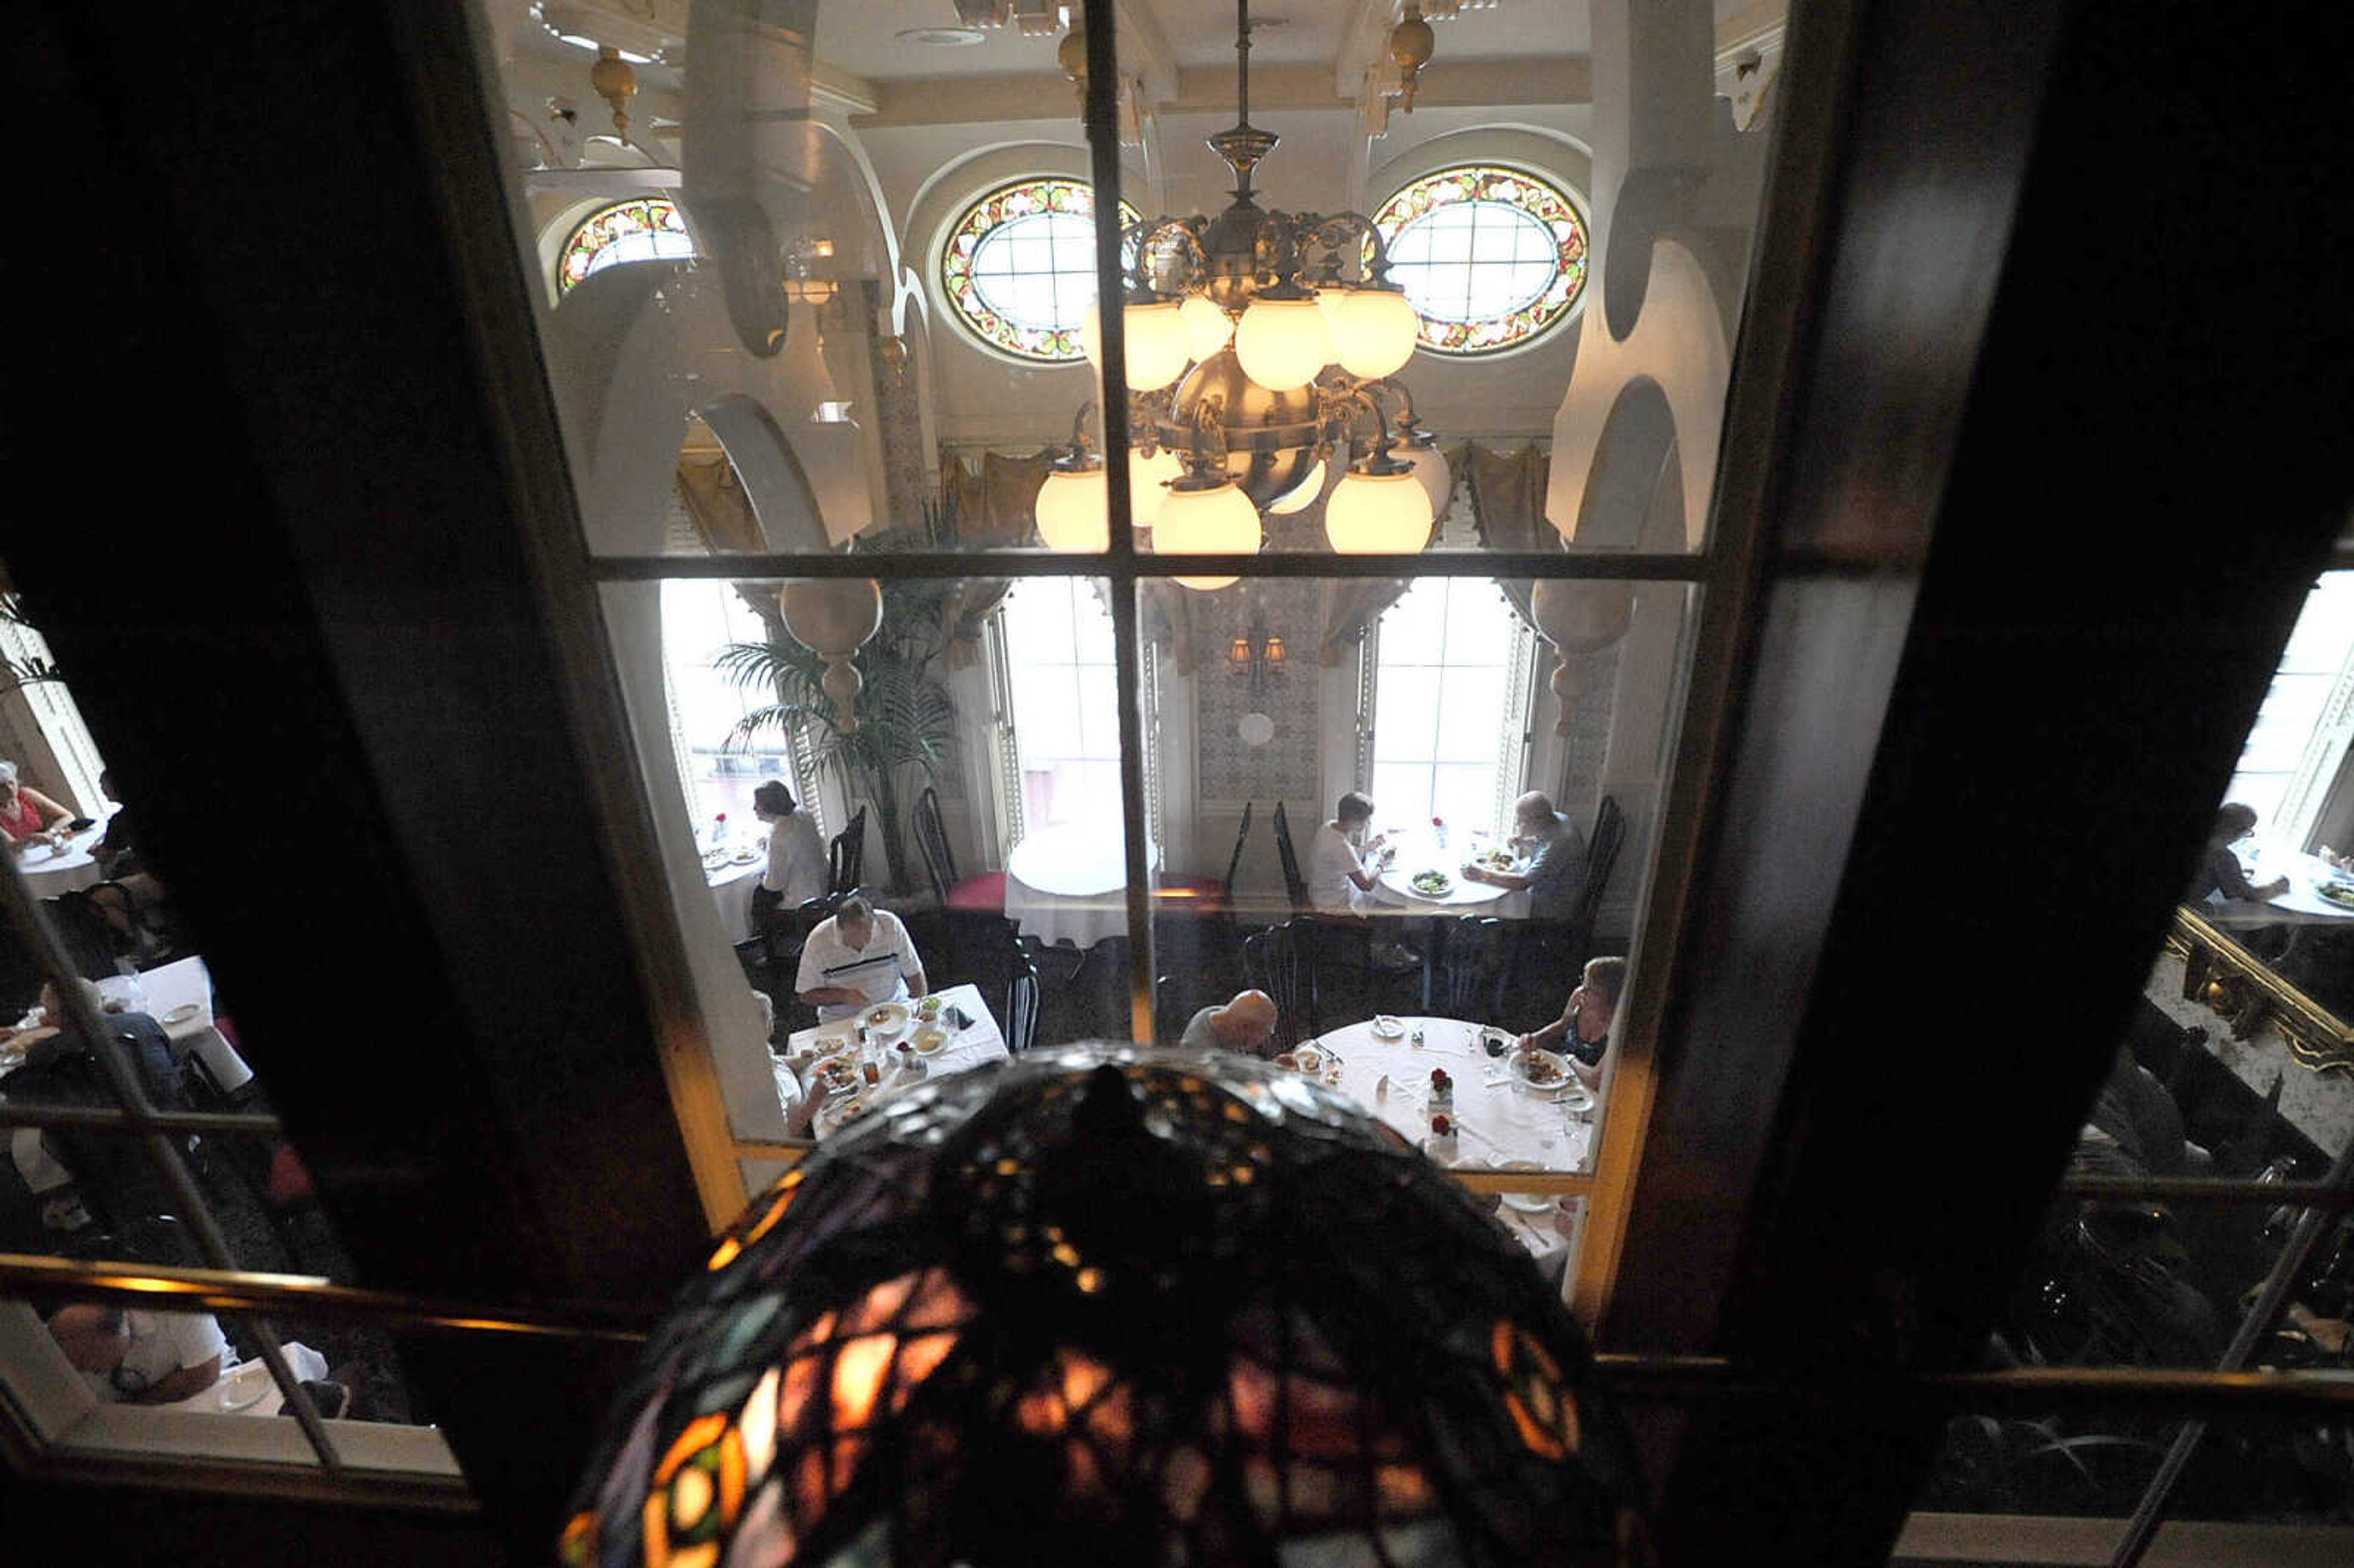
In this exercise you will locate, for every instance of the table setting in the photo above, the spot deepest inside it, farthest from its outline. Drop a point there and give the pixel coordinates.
(178, 996)
(2319, 889)
(1502, 1112)
(872, 1054)
(66, 866)
(732, 872)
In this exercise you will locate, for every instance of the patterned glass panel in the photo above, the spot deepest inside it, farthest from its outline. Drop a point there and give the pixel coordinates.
(649, 229)
(1490, 257)
(1020, 266)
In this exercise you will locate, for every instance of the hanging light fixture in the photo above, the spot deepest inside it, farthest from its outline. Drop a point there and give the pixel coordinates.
(1112, 1306)
(1290, 326)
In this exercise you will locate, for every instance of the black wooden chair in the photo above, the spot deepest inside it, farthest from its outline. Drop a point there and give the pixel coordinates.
(1601, 856)
(1474, 961)
(846, 857)
(1022, 1005)
(984, 894)
(1203, 898)
(1294, 883)
(1275, 965)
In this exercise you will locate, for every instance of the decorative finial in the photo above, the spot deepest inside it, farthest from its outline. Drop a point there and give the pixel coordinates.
(616, 83)
(1410, 47)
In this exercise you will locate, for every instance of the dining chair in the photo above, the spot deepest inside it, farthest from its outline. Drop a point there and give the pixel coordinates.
(1601, 855)
(1022, 1005)
(846, 857)
(1203, 898)
(1294, 883)
(1274, 964)
(1474, 959)
(983, 895)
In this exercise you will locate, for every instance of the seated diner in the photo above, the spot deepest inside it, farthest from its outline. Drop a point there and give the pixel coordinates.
(859, 956)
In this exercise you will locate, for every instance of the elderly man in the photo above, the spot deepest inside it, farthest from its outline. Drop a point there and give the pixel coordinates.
(1553, 859)
(1244, 1025)
(862, 956)
(141, 1358)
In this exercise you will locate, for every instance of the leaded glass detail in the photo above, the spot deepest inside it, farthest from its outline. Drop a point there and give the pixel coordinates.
(648, 228)
(1020, 266)
(1489, 257)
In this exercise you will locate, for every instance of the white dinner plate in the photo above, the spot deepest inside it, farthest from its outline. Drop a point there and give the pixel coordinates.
(244, 1387)
(888, 1018)
(848, 1111)
(1388, 1028)
(1544, 1071)
(182, 1013)
(930, 1039)
(1526, 1203)
(1446, 884)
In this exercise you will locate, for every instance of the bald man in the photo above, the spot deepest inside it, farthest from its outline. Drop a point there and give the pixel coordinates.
(141, 1358)
(1553, 859)
(1244, 1025)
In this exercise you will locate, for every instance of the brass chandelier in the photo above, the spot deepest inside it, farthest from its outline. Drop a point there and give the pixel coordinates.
(1293, 333)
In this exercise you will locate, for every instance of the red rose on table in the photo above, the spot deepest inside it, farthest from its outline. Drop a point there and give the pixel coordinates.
(1437, 822)
(1438, 1079)
(1440, 1126)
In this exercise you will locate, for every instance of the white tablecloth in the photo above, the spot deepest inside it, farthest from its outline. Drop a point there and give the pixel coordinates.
(68, 867)
(1069, 884)
(2300, 902)
(732, 887)
(1419, 852)
(187, 984)
(1496, 1118)
(977, 1045)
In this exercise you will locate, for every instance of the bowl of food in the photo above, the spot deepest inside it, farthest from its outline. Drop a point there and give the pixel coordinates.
(928, 1009)
(889, 1019)
(930, 1039)
(2338, 892)
(1497, 860)
(1431, 883)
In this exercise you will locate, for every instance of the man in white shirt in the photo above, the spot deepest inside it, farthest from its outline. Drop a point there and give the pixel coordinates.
(1338, 877)
(796, 870)
(860, 957)
(141, 1358)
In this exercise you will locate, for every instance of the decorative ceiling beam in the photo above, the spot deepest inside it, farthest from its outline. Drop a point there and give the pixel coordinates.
(1545, 79)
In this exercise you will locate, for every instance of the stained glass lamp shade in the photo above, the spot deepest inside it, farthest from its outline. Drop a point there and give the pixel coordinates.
(1112, 1307)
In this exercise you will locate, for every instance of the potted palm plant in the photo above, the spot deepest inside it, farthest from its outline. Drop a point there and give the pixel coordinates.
(905, 733)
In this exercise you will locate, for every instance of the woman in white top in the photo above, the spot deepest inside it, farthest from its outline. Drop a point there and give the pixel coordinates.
(1338, 877)
(796, 868)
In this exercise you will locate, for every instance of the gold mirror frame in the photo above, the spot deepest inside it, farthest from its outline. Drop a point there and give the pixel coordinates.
(2242, 990)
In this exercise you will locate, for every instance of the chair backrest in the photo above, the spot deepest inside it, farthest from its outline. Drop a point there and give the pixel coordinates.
(1293, 882)
(1234, 861)
(1601, 855)
(940, 864)
(846, 857)
(1475, 954)
(1272, 959)
(1022, 1005)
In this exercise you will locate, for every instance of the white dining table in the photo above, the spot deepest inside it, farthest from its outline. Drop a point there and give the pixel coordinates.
(1497, 1119)
(1069, 883)
(180, 996)
(1419, 853)
(732, 882)
(2305, 873)
(51, 870)
(979, 1044)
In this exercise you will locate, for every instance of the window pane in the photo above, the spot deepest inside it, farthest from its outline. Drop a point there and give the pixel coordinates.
(1408, 717)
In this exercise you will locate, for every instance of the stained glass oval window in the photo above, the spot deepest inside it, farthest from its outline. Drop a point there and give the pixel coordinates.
(647, 229)
(1020, 266)
(1490, 257)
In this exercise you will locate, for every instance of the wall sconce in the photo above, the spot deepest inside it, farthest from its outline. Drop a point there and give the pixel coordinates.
(1258, 656)
(812, 290)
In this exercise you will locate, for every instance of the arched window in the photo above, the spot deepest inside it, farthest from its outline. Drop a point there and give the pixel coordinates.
(1020, 266)
(1489, 256)
(647, 229)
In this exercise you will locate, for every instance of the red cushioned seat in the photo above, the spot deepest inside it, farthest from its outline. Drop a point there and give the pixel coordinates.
(1195, 895)
(979, 895)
